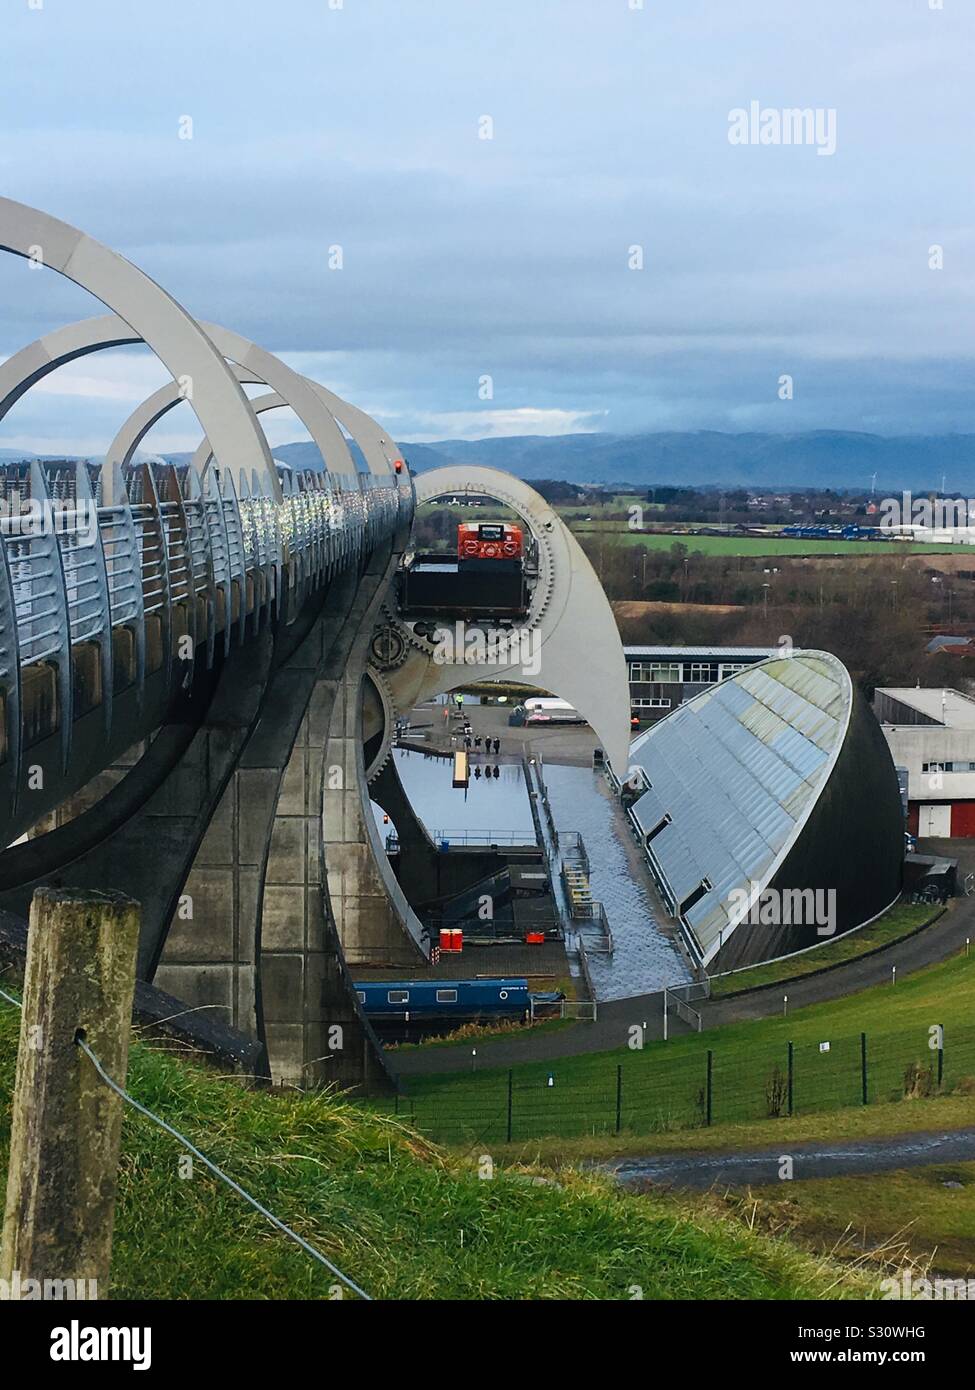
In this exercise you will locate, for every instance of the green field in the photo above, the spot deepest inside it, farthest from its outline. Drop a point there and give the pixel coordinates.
(401, 1218)
(876, 1121)
(750, 545)
(664, 1086)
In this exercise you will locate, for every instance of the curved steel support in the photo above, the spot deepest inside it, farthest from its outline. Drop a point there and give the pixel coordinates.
(154, 317)
(592, 678)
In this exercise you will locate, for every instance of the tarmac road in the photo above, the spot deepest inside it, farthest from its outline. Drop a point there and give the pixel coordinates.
(753, 1168)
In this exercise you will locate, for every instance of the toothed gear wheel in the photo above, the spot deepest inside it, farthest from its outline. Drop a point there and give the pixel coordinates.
(390, 715)
(389, 646)
(544, 581)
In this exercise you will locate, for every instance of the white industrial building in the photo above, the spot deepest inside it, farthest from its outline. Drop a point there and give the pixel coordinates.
(931, 734)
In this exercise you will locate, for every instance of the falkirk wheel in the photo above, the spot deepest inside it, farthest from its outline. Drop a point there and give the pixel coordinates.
(208, 678)
(407, 667)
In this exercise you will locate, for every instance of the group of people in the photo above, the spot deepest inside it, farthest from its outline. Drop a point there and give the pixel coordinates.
(472, 740)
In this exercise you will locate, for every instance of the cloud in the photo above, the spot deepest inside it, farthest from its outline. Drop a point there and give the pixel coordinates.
(490, 424)
(358, 128)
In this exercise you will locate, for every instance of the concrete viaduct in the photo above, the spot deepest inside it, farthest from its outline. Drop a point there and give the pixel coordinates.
(201, 666)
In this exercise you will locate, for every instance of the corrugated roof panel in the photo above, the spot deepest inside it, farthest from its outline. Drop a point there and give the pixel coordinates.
(736, 769)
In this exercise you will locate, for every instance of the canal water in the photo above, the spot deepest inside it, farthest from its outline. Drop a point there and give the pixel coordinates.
(489, 803)
(643, 959)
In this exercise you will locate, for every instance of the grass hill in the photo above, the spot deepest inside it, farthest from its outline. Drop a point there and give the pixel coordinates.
(401, 1217)
(661, 1087)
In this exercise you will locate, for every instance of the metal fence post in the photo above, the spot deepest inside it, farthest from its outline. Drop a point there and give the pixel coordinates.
(941, 1055)
(709, 1090)
(791, 1074)
(511, 1083)
(619, 1096)
(863, 1067)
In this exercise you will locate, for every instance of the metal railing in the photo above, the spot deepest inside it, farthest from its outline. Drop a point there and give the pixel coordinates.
(89, 551)
(481, 837)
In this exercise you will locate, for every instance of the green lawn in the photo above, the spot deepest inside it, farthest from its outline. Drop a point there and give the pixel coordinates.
(751, 545)
(900, 921)
(403, 1219)
(937, 1114)
(663, 1087)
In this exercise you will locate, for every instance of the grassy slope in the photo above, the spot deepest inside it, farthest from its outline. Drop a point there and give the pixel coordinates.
(900, 921)
(401, 1218)
(662, 1083)
(936, 1114)
(915, 1208)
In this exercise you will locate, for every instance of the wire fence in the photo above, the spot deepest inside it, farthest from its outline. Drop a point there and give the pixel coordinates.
(653, 1092)
(208, 1163)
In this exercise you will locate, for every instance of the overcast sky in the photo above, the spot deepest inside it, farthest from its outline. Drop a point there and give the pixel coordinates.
(463, 258)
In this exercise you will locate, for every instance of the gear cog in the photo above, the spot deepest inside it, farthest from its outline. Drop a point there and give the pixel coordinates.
(389, 646)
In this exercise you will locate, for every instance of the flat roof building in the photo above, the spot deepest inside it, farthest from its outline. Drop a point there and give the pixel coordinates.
(931, 734)
(661, 678)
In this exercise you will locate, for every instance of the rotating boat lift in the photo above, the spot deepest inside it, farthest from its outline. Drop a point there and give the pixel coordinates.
(256, 782)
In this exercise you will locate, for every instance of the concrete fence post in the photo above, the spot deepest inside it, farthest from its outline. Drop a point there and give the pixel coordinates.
(66, 1124)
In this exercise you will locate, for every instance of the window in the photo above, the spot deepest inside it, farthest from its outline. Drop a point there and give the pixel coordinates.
(446, 996)
(731, 668)
(655, 703)
(704, 671)
(398, 996)
(643, 672)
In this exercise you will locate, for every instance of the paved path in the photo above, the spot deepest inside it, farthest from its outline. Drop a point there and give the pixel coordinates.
(740, 1168)
(936, 943)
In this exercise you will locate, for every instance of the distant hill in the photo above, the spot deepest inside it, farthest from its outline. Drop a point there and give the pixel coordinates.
(703, 458)
(820, 458)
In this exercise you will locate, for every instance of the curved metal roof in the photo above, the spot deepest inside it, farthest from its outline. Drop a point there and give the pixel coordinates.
(733, 775)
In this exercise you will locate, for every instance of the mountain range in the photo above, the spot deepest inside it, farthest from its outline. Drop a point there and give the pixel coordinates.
(708, 458)
(703, 458)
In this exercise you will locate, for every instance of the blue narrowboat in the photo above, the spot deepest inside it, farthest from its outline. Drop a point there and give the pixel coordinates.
(444, 999)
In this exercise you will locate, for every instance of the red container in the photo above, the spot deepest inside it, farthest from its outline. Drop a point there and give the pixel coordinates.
(534, 938)
(451, 939)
